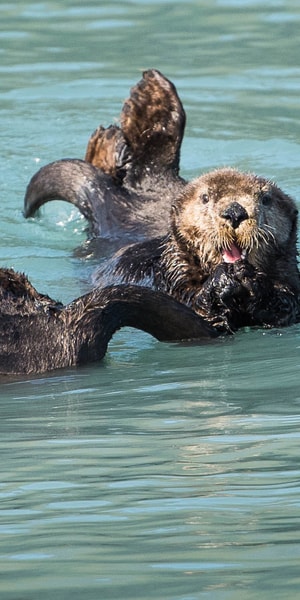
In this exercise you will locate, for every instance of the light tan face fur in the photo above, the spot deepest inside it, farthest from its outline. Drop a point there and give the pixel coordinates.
(200, 225)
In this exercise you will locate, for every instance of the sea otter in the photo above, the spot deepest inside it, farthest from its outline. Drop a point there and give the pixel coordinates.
(230, 253)
(130, 175)
(38, 334)
(227, 248)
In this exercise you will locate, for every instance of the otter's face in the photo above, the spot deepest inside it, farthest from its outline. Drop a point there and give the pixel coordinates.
(227, 216)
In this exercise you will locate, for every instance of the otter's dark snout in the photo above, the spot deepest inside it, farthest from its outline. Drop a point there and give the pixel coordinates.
(235, 213)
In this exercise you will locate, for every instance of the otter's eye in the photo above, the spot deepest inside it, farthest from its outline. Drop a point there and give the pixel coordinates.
(205, 198)
(266, 199)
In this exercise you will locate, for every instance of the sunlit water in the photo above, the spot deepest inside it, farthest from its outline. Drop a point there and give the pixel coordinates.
(165, 472)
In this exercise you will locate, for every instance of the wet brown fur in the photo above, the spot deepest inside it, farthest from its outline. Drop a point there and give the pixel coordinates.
(261, 288)
(267, 235)
(38, 334)
(146, 146)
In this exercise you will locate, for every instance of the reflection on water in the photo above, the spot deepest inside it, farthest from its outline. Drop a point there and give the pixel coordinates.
(165, 472)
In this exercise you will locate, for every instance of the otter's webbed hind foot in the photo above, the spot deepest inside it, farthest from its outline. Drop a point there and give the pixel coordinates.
(147, 145)
(108, 150)
(153, 121)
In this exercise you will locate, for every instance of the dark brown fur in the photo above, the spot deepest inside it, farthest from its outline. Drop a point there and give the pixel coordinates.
(145, 149)
(230, 253)
(38, 334)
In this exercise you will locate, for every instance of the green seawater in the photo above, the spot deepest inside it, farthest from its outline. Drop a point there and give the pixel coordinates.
(166, 472)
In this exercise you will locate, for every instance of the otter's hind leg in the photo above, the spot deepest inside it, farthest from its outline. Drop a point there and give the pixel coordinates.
(153, 121)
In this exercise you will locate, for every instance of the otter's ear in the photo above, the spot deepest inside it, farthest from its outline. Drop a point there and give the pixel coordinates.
(174, 210)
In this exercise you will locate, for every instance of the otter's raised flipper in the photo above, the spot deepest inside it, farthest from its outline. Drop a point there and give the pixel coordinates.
(153, 121)
(148, 143)
(38, 334)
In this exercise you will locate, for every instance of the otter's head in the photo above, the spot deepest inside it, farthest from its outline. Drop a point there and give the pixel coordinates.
(226, 216)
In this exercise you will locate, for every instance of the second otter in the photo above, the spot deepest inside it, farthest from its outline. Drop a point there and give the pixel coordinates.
(230, 253)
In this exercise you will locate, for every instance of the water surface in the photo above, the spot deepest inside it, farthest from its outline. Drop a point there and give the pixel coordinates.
(166, 472)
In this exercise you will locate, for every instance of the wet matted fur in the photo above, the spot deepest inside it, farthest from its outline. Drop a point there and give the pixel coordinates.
(230, 253)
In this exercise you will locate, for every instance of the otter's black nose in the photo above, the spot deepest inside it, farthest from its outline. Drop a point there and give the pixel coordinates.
(235, 213)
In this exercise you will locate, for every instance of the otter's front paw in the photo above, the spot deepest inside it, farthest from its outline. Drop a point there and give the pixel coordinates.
(223, 284)
(243, 272)
(217, 299)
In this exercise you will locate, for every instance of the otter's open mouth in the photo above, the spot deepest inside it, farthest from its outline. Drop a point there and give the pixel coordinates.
(233, 253)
